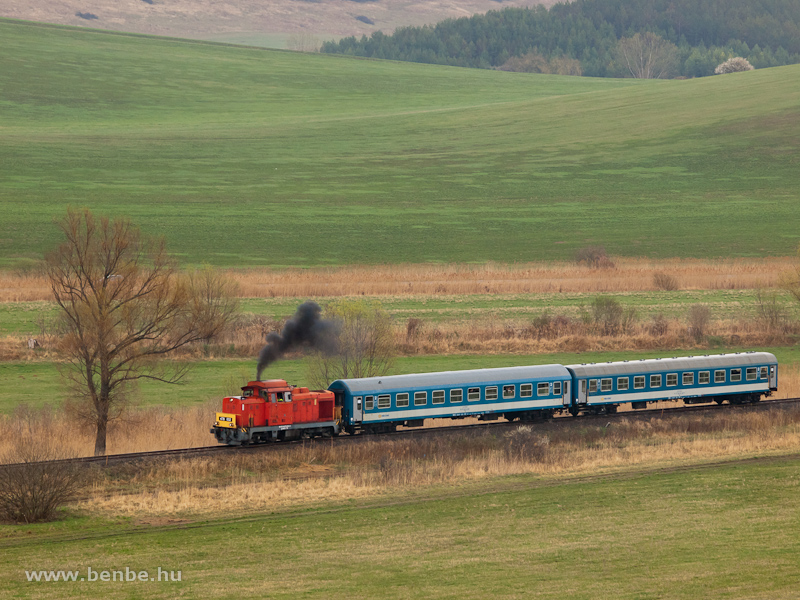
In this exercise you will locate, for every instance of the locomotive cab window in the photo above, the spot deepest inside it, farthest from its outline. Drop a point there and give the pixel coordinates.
(526, 390)
(703, 377)
(456, 396)
(606, 385)
(400, 401)
(752, 373)
(593, 386)
(420, 398)
(473, 394)
(655, 381)
(672, 379)
(556, 388)
(736, 374)
(622, 384)
(509, 391)
(542, 389)
(385, 401)
(688, 379)
(719, 376)
(369, 403)
(437, 397)
(638, 382)
(491, 393)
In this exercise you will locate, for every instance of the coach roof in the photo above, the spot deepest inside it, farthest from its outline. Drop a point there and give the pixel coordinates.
(452, 378)
(682, 363)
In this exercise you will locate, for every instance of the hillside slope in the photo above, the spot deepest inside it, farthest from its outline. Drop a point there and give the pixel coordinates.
(253, 157)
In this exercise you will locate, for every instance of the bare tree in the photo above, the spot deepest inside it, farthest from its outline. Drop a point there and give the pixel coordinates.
(365, 343)
(647, 56)
(124, 305)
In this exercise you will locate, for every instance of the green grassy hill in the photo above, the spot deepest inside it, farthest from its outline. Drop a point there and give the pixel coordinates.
(252, 157)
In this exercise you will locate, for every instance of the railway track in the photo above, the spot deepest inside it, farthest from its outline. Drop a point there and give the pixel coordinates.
(179, 453)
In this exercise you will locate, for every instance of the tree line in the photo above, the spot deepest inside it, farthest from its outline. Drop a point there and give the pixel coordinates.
(583, 37)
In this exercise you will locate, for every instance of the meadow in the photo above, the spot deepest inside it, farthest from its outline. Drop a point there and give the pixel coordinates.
(248, 157)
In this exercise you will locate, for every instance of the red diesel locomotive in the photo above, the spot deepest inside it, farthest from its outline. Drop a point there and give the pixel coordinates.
(274, 410)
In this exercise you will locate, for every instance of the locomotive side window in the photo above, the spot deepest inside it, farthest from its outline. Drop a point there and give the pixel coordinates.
(384, 401)
(655, 381)
(606, 385)
(509, 391)
(593, 386)
(456, 396)
(401, 401)
(672, 379)
(420, 398)
(638, 382)
(752, 373)
(688, 379)
(719, 376)
(491, 393)
(622, 383)
(437, 397)
(542, 389)
(369, 403)
(473, 394)
(736, 374)
(763, 372)
(703, 377)
(556, 388)
(526, 390)
(247, 393)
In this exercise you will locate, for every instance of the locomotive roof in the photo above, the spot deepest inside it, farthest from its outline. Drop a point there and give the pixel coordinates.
(451, 378)
(655, 365)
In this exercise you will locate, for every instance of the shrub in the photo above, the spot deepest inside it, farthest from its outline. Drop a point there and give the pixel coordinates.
(699, 319)
(607, 313)
(594, 257)
(659, 325)
(736, 64)
(665, 282)
(36, 481)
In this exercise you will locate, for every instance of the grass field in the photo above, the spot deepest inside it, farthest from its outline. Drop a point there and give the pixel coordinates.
(722, 531)
(254, 157)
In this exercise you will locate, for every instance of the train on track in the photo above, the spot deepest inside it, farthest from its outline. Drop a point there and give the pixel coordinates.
(274, 410)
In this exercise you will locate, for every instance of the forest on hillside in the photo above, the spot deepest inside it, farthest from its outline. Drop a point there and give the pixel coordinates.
(588, 37)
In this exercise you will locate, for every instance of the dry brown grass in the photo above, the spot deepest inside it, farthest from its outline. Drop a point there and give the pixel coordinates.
(321, 473)
(628, 275)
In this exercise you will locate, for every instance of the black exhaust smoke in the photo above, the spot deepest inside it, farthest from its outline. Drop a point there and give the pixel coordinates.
(305, 328)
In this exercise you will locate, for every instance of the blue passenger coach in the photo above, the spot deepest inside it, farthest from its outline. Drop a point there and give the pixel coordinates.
(735, 378)
(376, 404)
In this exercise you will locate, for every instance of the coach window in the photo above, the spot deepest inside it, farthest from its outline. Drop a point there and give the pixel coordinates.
(606, 385)
(736, 374)
(672, 379)
(509, 391)
(593, 386)
(556, 388)
(764, 372)
(491, 393)
(638, 382)
(703, 377)
(622, 383)
(542, 389)
(385, 400)
(369, 403)
(526, 390)
(456, 396)
(473, 394)
(719, 376)
(688, 379)
(420, 398)
(752, 373)
(655, 381)
(437, 397)
(400, 401)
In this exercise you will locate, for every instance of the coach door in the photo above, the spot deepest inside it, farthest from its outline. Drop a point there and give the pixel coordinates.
(582, 391)
(773, 377)
(358, 409)
(566, 399)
